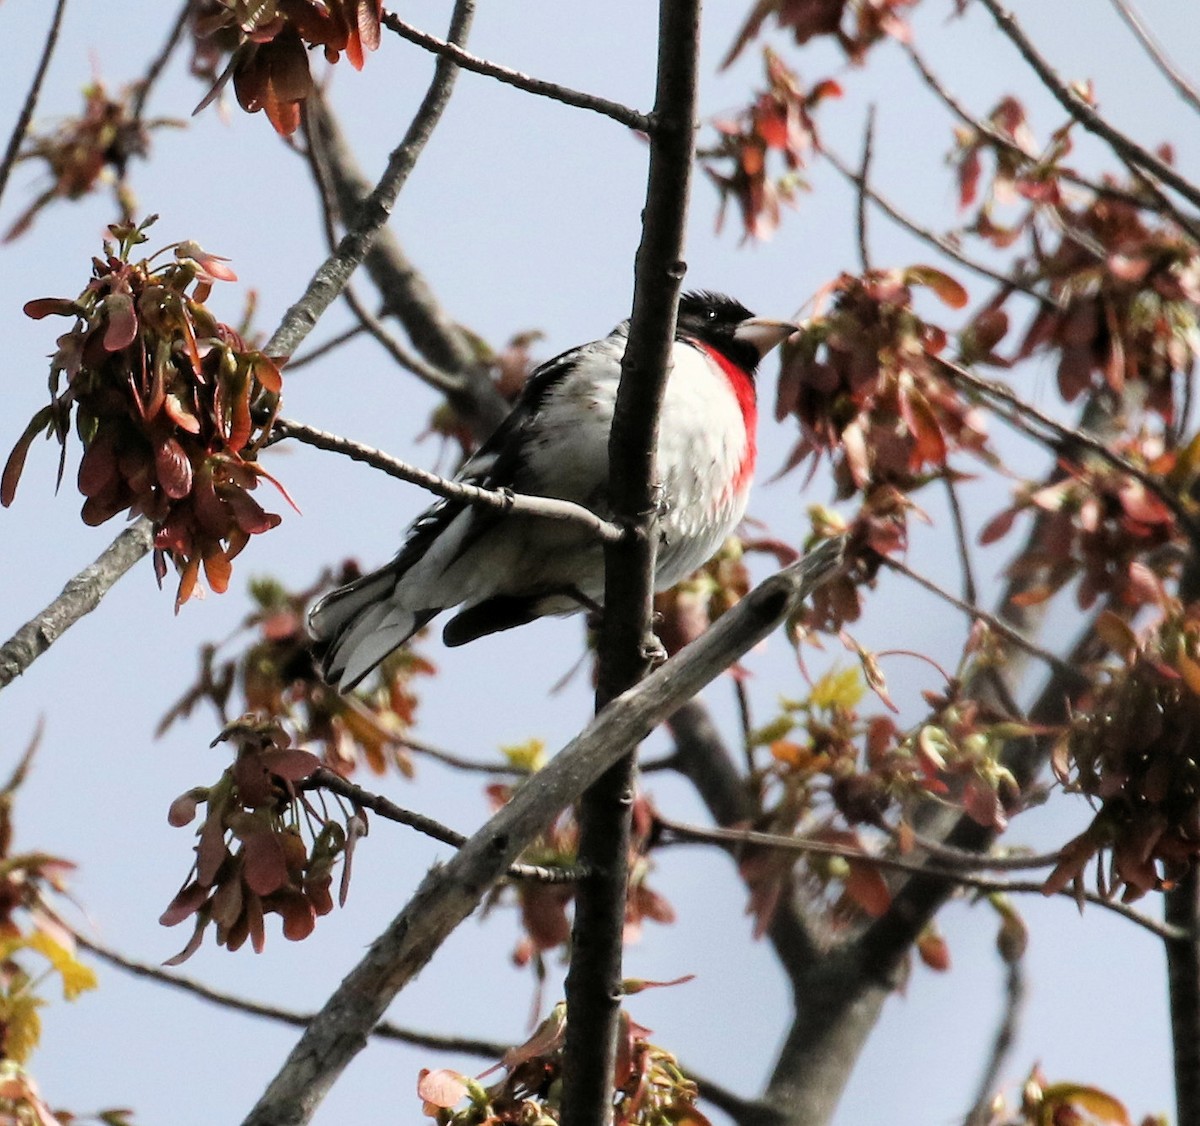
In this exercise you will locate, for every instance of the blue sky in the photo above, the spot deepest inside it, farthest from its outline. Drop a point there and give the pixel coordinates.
(522, 214)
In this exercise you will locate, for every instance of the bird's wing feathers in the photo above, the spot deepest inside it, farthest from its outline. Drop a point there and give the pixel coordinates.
(361, 621)
(495, 465)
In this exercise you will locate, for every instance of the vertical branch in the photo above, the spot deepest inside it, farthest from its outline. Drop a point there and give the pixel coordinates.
(594, 982)
(1182, 909)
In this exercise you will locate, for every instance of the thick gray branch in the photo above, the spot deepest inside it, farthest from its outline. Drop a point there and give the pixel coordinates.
(79, 597)
(448, 894)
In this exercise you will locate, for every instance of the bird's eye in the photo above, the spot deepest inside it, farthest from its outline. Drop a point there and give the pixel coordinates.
(710, 314)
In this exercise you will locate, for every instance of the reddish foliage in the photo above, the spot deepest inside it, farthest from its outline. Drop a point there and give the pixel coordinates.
(269, 42)
(1131, 748)
(103, 138)
(278, 680)
(1097, 524)
(172, 407)
(251, 856)
(834, 776)
(861, 382)
(780, 121)
(544, 905)
(857, 25)
(685, 611)
(649, 1086)
(1125, 294)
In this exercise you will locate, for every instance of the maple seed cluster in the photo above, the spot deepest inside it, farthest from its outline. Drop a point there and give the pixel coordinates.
(649, 1085)
(251, 857)
(269, 64)
(171, 405)
(1133, 750)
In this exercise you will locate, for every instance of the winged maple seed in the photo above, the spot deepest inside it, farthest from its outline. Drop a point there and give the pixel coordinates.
(1131, 748)
(172, 407)
(650, 1088)
(268, 41)
(252, 857)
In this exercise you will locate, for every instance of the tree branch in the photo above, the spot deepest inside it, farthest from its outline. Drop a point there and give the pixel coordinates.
(593, 985)
(406, 295)
(31, 98)
(926, 235)
(733, 839)
(1066, 96)
(331, 276)
(325, 779)
(434, 377)
(449, 893)
(501, 500)
(1069, 436)
(80, 596)
(568, 97)
(980, 1113)
(159, 62)
(487, 1049)
(997, 625)
(1183, 992)
(1151, 46)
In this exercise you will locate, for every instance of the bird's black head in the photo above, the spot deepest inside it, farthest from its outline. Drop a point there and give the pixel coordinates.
(714, 319)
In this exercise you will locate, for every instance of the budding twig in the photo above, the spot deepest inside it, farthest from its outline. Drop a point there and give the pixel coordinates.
(552, 90)
(503, 500)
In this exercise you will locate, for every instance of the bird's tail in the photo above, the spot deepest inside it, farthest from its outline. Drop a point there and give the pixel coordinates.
(359, 624)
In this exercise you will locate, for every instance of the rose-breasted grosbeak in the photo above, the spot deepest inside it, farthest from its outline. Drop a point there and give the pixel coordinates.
(507, 569)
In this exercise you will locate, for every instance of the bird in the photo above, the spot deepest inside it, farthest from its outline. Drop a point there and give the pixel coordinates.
(505, 569)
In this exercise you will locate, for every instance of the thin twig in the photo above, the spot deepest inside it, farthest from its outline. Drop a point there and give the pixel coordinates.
(926, 235)
(1182, 907)
(734, 838)
(159, 63)
(459, 762)
(863, 178)
(384, 1030)
(745, 723)
(1073, 102)
(970, 588)
(31, 98)
(615, 110)
(324, 779)
(434, 377)
(994, 623)
(502, 500)
(1069, 435)
(1006, 143)
(1006, 1035)
(1154, 49)
(961, 858)
(325, 348)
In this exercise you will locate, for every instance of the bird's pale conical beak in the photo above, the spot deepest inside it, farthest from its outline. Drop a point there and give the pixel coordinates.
(763, 334)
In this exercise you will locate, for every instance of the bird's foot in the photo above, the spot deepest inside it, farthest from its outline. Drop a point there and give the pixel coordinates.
(653, 651)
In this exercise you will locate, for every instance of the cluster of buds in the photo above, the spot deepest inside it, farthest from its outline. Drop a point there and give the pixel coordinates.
(779, 121)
